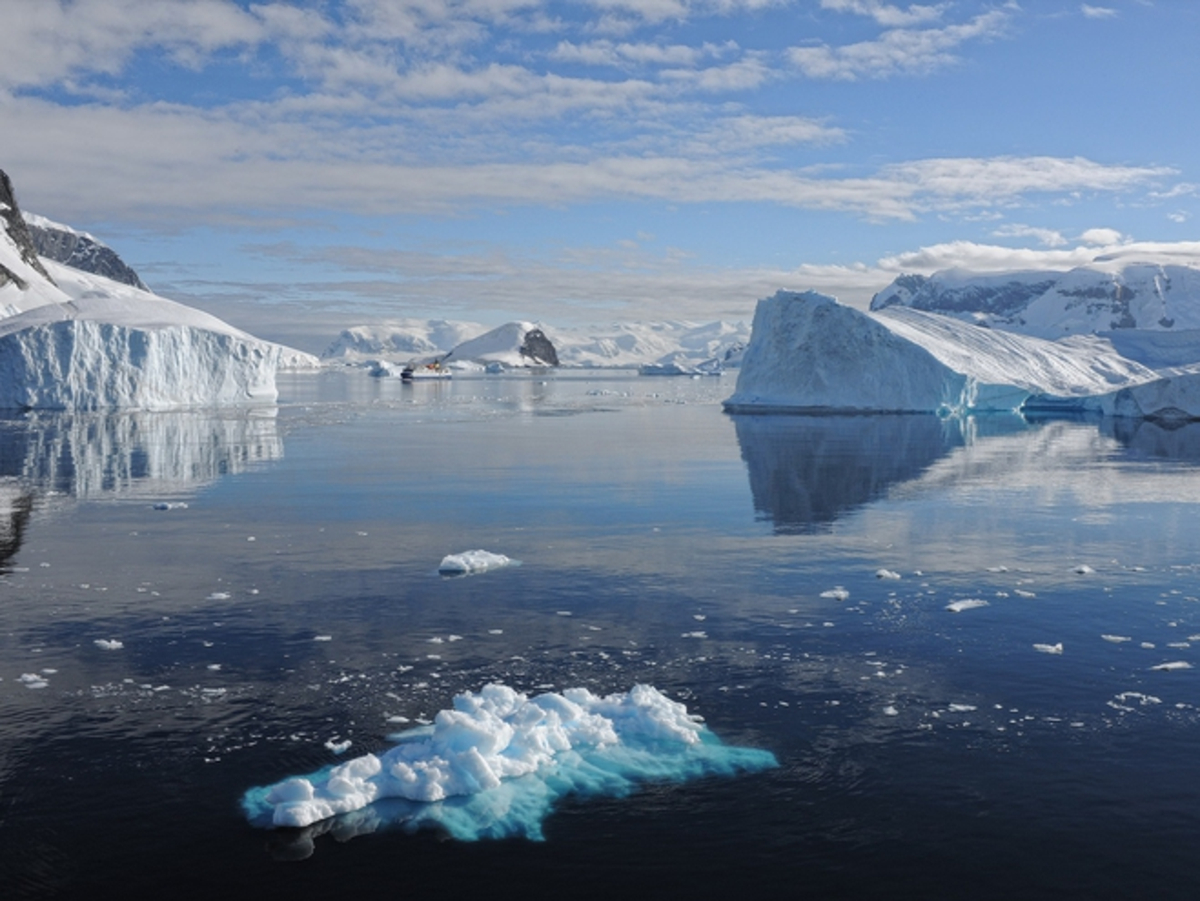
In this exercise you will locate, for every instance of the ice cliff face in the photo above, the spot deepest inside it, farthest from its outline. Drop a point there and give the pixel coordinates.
(1105, 296)
(79, 250)
(80, 341)
(809, 353)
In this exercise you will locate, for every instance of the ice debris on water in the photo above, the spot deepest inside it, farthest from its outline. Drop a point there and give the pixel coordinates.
(171, 505)
(1116, 639)
(966, 604)
(496, 763)
(476, 561)
(33, 680)
(1049, 648)
(837, 593)
(1173, 665)
(886, 574)
(1083, 569)
(108, 644)
(338, 747)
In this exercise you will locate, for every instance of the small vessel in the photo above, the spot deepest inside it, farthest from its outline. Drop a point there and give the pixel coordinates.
(416, 372)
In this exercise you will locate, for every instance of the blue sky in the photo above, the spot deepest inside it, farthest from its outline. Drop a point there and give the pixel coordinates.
(298, 167)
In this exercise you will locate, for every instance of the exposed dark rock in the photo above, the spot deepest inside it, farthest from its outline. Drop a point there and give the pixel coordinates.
(82, 252)
(14, 224)
(538, 349)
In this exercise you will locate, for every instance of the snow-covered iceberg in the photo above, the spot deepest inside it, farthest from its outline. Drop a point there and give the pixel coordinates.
(496, 763)
(809, 353)
(80, 341)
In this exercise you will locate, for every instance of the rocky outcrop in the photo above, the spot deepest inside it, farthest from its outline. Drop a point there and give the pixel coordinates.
(13, 223)
(538, 349)
(79, 250)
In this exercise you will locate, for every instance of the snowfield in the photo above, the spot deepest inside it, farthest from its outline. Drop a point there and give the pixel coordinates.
(810, 353)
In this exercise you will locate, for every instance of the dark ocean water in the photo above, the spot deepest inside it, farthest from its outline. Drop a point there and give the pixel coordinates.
(288, 597)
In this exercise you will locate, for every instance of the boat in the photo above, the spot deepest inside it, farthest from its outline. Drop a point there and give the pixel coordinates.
(418, 372)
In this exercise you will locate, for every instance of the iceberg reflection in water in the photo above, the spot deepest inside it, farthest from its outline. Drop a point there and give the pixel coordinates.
(135, 453)
(807, 471)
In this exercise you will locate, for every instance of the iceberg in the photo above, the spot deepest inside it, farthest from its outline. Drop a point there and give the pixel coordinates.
(473, 562)
(496, 762)
(74, 340)
(808, 353)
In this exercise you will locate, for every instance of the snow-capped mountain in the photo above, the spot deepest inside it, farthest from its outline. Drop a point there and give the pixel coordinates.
(75, 340)
(1116, 293)
(622, 345)
(808, 352)
(401, 340)
(79, 250)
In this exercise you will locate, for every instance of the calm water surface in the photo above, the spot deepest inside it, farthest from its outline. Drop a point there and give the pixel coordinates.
(288, 597)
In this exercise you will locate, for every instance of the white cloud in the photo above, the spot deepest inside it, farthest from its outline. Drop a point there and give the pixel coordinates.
(886, 14)
(1048, 237)
(1102, 236)
(1097, 12)
(898, 52)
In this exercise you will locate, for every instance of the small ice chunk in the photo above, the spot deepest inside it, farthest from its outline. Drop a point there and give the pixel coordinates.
(322, 638)
(108, 644)
(214, 666)
(961, 708)
(1173, 665)
(338, 747)
(32, 680)
(886, 574)
(1083, 569)
(171, 505)
(890, 710)
(695, 635)
(966, 604)
(837, 593)
(1022, 593)
(218, 596)
(476, 561)
(1049, 648)
(1116, 639)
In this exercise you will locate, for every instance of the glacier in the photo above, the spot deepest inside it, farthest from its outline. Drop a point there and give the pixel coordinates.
(809, 353)
(495, 763)
(74, 340)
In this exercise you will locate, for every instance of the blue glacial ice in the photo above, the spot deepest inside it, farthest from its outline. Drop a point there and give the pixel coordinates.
(496, 764)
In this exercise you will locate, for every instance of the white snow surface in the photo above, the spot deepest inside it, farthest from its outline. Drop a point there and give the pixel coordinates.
(810, 353)
(86, 342)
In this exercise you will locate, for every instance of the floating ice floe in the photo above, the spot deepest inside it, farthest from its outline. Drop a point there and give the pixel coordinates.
(966, 604)
(338, 747)
(886, 574)
(1116, 639)
(33, 680)
(1173, 665)
(837, 593)
(495, 764)
(1049, 648)
(473, 562)
(171, 505)
(1083, 569)
(108, 644)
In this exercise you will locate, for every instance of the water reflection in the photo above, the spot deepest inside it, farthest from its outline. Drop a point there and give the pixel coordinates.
(133, 453)
(1146, 440)
(807, 471)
